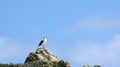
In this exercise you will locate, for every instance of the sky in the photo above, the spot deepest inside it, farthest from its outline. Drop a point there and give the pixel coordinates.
(79, 31)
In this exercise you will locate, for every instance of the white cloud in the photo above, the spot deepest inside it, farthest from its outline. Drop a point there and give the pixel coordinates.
(107, 54)
(3, 40)
(97, 22)
(13, 50)
(93, 22)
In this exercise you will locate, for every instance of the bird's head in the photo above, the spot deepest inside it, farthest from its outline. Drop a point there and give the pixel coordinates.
(44, 37)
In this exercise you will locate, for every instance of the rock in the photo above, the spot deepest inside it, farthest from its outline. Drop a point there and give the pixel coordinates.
(41, 54)
(60, 63)
(86, 66)
(97, 66)
(44, 58)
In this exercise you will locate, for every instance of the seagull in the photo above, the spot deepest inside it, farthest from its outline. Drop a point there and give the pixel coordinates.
(43, 42)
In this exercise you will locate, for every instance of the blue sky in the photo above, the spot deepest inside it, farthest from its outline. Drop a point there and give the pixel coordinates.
(80, 31)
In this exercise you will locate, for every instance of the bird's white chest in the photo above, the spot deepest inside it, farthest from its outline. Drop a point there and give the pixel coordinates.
(44, 42)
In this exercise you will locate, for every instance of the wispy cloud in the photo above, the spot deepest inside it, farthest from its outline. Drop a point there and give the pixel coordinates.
(13, 50)
(92, 23)
(85, 51)
(3, 40)
(106, 54)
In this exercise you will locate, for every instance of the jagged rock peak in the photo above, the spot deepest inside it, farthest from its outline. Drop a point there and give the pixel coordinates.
(42, 57)
(41, 54)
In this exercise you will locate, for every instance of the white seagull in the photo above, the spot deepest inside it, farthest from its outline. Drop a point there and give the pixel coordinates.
(43, 42)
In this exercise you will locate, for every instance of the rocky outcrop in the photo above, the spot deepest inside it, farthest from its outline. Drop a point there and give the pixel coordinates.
(86, 66)
(41, 54)
(97, 66)
(44, 58)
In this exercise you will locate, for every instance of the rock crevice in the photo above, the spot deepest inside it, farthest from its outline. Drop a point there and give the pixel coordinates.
(44, 58)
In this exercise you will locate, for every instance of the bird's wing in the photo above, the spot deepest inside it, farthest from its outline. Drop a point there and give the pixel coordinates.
(41, 43)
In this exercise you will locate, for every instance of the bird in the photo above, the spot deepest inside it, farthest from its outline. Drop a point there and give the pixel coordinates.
(43, 42)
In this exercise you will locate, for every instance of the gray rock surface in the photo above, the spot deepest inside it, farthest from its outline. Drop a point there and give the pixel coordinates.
(97, 66)
(43, 58)
(86, 66)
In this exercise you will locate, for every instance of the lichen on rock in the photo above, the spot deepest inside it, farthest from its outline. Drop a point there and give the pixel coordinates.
(44, 58)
